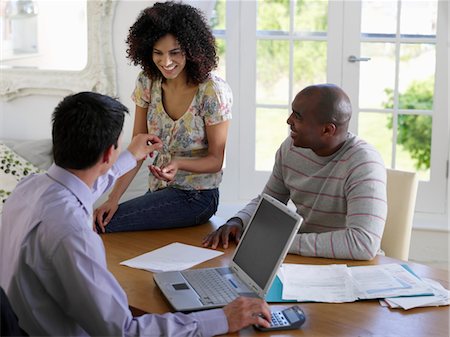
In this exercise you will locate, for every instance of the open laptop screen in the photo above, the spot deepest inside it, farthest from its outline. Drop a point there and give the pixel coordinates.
(262, 246)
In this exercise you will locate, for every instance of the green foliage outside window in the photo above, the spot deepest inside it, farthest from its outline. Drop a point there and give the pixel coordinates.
(273, 55)
(414, 131)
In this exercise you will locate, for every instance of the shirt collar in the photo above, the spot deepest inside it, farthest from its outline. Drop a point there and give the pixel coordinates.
(74, 184)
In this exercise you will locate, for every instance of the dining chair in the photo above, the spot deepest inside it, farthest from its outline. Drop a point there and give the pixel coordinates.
(401, 200)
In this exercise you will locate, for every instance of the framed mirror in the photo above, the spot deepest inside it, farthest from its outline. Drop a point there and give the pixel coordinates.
(28, 61)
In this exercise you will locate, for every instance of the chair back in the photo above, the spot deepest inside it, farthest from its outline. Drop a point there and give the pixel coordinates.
(401, 200)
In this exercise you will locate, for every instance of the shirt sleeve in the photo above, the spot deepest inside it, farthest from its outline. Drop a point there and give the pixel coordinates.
(124, 163)
(246, 213)
(275, 187)
(217, 102)
(141, 92)
(95, 300)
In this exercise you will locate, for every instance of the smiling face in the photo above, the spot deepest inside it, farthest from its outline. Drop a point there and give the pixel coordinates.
(168, 57)
(306, 130)
(319, 119)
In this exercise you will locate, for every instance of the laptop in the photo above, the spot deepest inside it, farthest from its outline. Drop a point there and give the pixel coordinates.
(255, 262)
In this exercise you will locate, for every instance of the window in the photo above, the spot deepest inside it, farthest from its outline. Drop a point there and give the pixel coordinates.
(276, 48)
(397, 100)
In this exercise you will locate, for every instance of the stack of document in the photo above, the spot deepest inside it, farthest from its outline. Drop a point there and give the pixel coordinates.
(340, 283)
(441, 297)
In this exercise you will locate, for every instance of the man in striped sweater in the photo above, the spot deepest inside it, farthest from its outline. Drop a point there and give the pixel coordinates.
(336, 180)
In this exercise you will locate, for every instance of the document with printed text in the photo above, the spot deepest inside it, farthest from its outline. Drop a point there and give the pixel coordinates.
(340, 283)
(330, 283)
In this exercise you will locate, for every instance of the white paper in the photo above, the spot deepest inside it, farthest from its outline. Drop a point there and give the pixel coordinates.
(339, 283)
(387, 280)
(441, 297)
(175, 256)
(328, 283)
(383, 303)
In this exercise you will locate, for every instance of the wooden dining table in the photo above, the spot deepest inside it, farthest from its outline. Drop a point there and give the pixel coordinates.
(359, 318)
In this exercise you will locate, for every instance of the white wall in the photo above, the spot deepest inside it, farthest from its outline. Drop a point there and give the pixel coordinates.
(27, 118)
(30, 118)
(125, 15)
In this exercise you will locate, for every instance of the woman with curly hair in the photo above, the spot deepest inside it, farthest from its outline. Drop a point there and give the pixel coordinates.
(179, 100)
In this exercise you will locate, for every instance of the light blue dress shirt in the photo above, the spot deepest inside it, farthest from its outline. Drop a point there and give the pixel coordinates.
(53, 265)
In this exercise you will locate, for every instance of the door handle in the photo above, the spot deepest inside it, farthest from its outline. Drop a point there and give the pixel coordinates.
(353, 59)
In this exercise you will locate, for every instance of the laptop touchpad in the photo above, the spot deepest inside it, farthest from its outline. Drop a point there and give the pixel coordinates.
(180, 286)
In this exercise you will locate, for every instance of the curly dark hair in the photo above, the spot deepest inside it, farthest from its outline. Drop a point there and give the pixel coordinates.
(188, 25)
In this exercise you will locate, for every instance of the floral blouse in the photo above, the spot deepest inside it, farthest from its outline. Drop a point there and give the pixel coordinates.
(185, 137)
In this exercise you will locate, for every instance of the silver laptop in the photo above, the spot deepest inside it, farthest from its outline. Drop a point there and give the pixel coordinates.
(262, 248)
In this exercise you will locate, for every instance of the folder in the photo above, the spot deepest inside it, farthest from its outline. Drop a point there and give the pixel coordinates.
(275, 293)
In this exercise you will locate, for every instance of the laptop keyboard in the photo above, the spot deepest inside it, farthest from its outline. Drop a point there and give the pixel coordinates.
(210, 286)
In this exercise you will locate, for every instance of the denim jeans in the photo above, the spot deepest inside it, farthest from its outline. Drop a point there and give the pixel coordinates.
(166, 208)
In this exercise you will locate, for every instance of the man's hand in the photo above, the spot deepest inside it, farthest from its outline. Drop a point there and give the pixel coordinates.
(143, 144)
(244, 311)
(232, 230)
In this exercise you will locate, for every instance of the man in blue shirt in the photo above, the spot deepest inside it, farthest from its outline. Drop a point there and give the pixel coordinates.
(52, 263)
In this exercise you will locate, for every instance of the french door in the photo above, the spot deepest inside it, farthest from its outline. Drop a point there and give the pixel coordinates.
(398, 83)
(393, 66)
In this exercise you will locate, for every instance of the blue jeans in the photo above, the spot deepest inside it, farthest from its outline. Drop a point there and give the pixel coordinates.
(166, 208)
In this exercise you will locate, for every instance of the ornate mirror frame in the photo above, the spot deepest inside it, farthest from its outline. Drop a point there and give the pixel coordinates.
(99, 74)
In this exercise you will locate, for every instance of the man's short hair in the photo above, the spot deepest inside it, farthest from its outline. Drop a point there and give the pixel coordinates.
(85, 125)
(333, 104)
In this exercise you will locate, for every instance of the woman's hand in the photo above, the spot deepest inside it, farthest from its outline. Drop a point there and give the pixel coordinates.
(165, 173)
(104, 213)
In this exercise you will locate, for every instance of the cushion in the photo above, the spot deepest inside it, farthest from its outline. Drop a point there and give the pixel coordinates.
(38, 152)
(12, 169)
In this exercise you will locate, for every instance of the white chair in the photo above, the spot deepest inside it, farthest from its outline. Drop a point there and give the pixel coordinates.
(401, 200)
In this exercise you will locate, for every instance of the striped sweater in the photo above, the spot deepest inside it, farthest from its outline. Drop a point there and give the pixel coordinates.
(341, 197)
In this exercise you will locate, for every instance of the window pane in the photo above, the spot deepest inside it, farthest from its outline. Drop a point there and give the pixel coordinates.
(273, 15)
(271, 131)
(414, 144)
(310, 64)
(218, 15)
(221, 53)
(379, 17)
(311, 16)
(272, 72)
(416, 83)
(413, 10)
(372, 86)
(374, 129)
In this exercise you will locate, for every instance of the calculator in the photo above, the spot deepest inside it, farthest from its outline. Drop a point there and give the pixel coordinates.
(290, 318)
